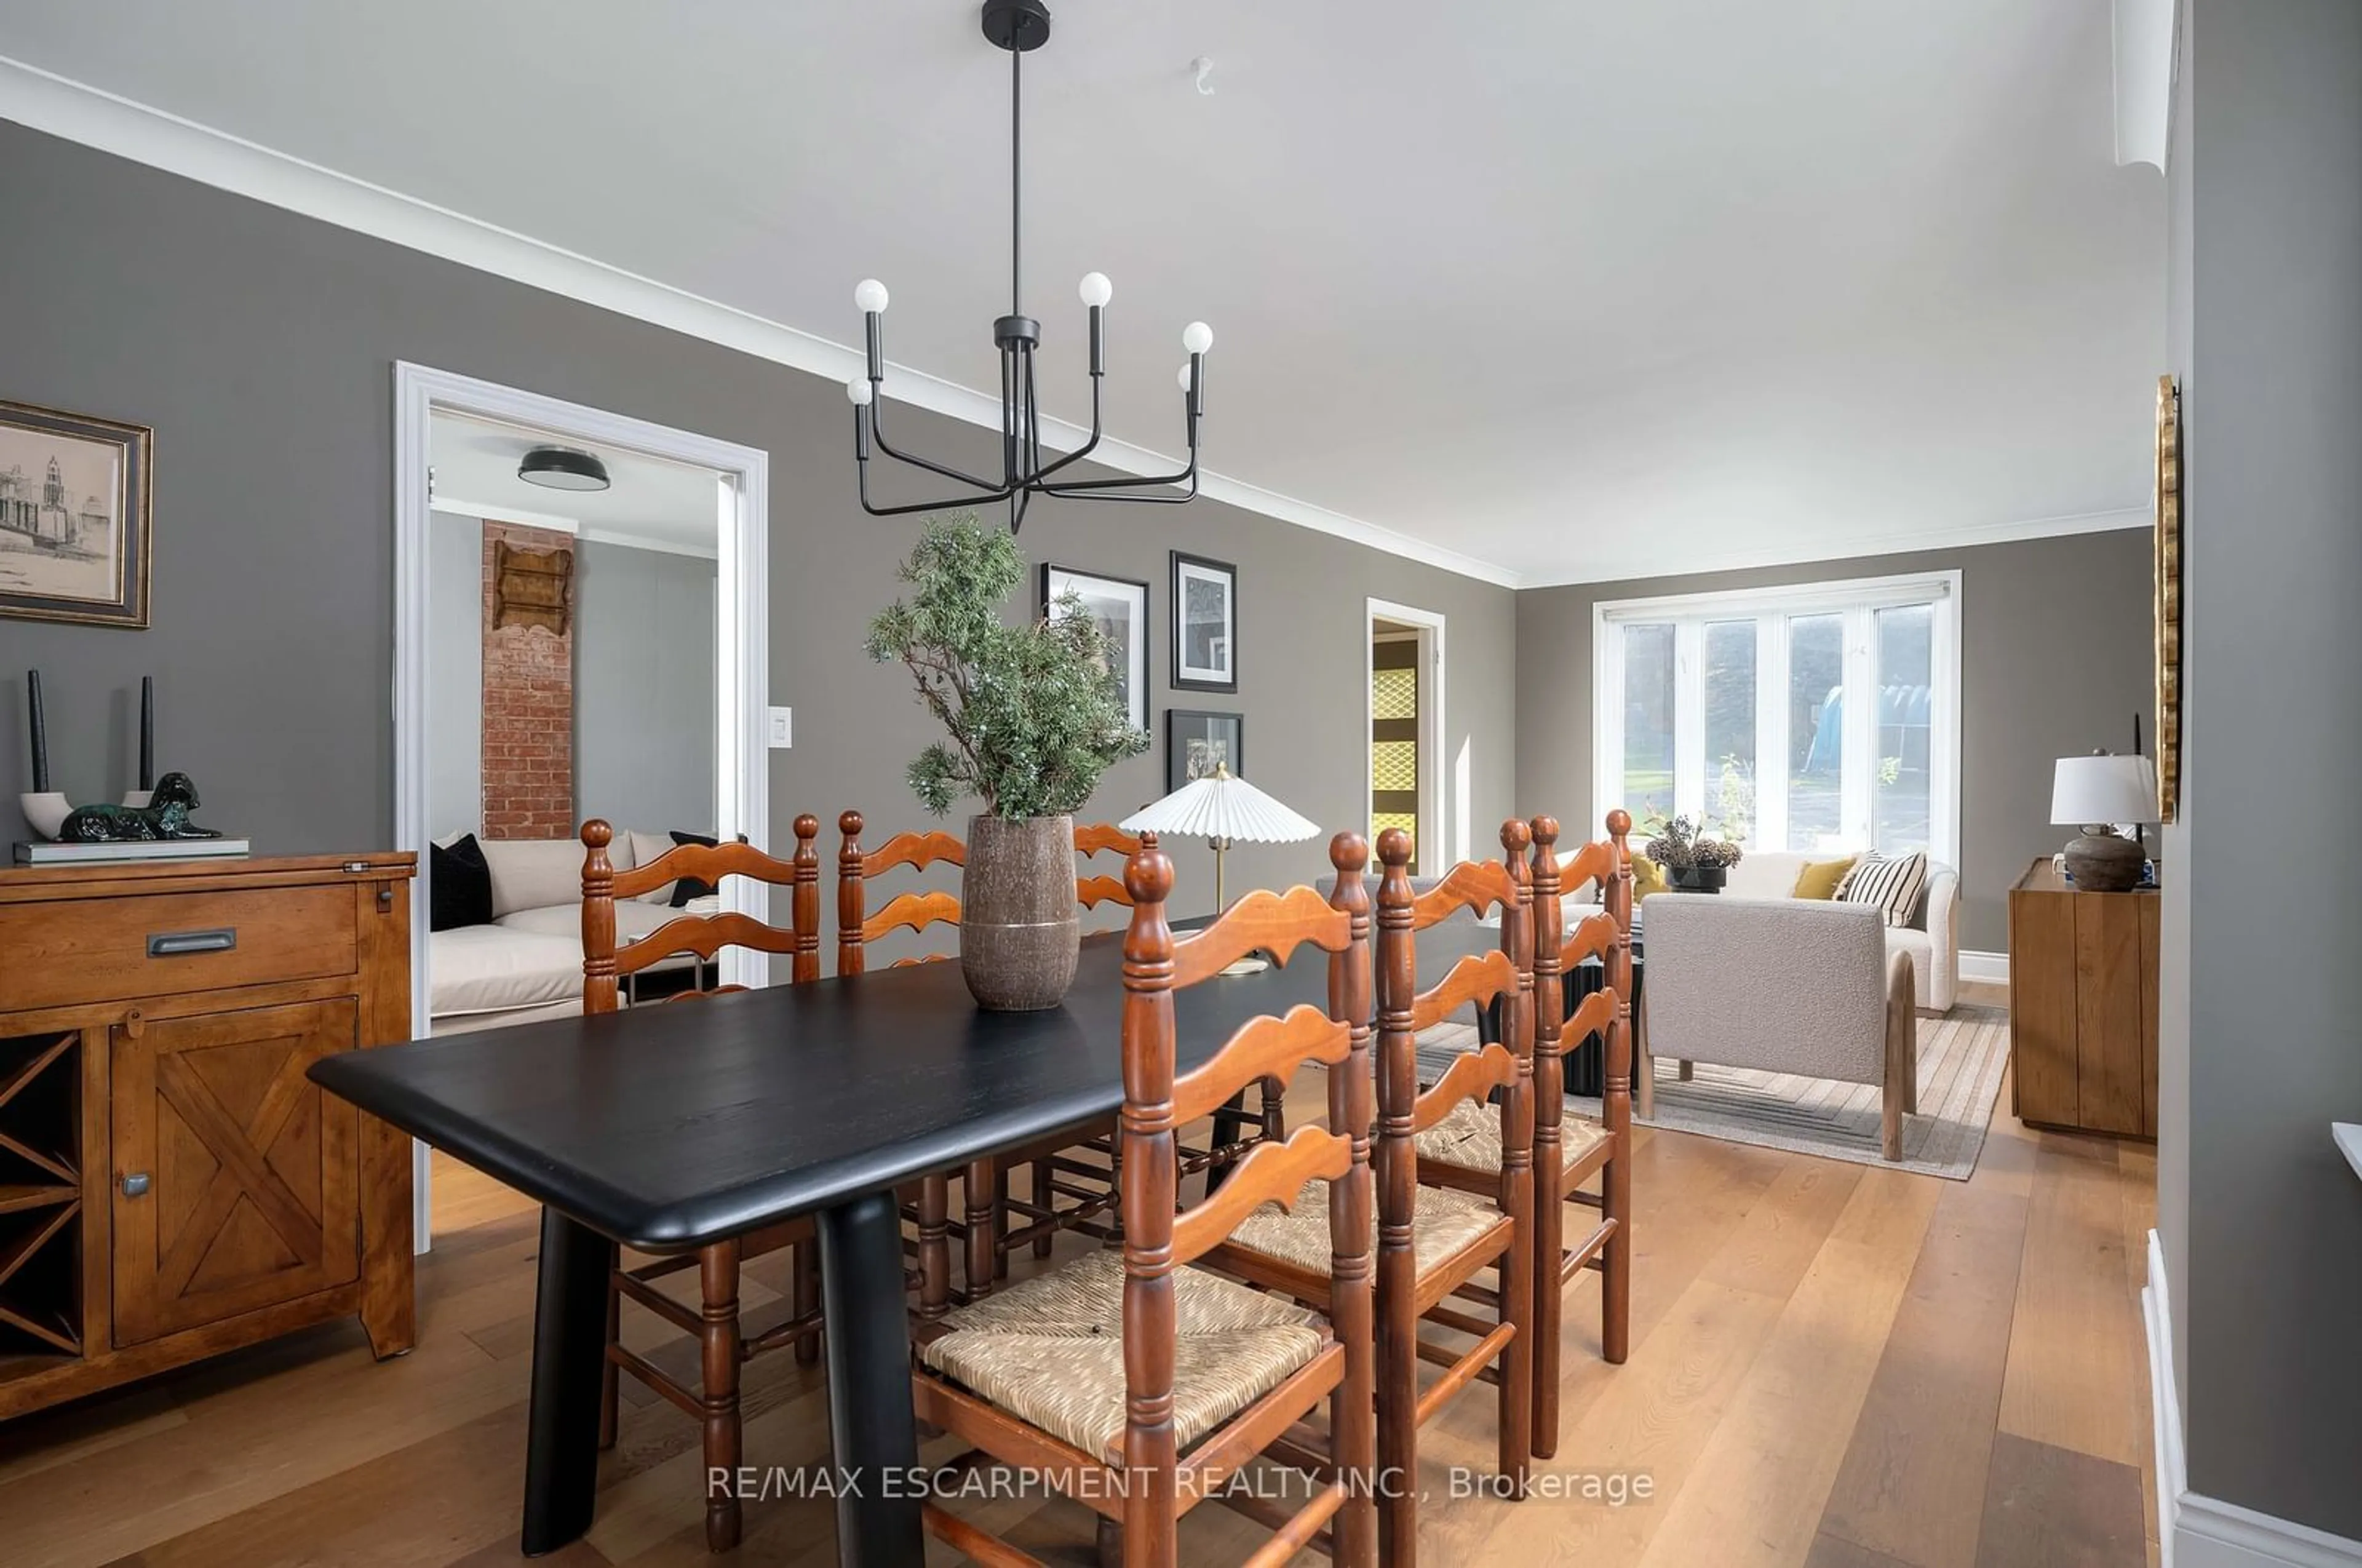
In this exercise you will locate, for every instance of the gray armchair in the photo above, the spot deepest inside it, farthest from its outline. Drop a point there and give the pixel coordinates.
(1784, 986)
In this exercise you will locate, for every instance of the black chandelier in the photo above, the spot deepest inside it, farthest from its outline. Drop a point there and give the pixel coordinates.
(1021, 26)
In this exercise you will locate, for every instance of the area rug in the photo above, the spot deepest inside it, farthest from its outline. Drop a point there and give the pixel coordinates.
(1961, 1058)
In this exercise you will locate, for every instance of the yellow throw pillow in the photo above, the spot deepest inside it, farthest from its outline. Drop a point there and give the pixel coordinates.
(1647, 877)
(1819, 879)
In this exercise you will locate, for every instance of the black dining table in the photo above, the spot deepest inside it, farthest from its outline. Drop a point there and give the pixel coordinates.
(665, 1128)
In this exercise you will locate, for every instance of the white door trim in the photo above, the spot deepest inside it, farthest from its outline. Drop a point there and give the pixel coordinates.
(741, 626)
(1433, 814)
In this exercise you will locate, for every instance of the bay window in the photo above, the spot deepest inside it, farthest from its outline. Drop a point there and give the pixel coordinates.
(1824, 717)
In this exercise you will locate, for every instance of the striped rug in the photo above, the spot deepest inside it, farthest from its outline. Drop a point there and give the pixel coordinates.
(1961, 1058)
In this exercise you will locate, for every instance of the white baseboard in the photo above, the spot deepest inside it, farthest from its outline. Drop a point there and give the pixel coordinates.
(1988, 968)
(2198, 1531)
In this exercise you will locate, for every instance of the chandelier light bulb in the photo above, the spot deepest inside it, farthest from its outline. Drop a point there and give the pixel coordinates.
(1197, 337)
(870, 297)
(1184, 378)
(1097, 290)
(857, 390)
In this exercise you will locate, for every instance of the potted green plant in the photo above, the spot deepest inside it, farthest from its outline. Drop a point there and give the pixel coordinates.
(1032, 716)
(1694, 863)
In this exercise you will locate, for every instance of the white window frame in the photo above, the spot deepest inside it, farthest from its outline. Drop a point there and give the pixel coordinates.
(1858, 600)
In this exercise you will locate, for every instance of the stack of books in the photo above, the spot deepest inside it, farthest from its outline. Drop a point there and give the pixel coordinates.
(63, 852)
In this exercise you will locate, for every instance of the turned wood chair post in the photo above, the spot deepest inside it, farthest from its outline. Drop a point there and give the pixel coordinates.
(1615, 1107)
(805, 898)
(1549, 1107)
(1352, 1411)
(1515, 1428)
(1146, 1137)
(599, 989)
(852, 897)
(719, 1348)
(1395, 1161)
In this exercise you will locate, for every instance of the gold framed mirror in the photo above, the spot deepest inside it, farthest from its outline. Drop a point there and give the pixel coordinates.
(2168, 598)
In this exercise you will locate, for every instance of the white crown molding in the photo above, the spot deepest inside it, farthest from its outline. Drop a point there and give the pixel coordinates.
(1638, 567)
(2194, 1530)
(79, 112)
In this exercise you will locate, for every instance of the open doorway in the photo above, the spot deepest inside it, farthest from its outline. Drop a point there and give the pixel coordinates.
(579, 631)
(1405, 728)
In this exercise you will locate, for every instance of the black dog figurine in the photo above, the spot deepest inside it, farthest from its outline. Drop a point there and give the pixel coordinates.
(165, 816)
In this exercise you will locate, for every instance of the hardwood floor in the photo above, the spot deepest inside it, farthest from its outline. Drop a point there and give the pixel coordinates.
(1833, 1365)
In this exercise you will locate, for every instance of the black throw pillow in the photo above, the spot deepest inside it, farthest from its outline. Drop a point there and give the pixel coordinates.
(460, 885)
(688, 887)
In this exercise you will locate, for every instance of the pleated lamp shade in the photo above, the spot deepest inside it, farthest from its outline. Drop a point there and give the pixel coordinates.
(1223, 806)
(1223, 810)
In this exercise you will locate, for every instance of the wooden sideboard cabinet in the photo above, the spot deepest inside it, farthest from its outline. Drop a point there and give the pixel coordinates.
(2082, 1005)
(172, 1185)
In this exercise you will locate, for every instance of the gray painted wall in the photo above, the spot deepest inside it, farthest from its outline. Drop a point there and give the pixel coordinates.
(2055, 659)
(261, 346)
(455, 674)
(2273, 1271)
(644, 661)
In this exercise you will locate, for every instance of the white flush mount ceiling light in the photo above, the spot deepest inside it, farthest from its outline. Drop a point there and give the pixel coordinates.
(1021, 26)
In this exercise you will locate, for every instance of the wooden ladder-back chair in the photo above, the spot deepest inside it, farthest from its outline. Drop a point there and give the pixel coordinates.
(926, 1202)
(1568, 1151)
(1432, 1243)
(1171, 1379)
(1072, 1183)
(1229, 1141)
(716, 1322)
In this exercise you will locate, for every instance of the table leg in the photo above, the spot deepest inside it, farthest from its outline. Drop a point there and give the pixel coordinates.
(569, 1344)
(872, 1429)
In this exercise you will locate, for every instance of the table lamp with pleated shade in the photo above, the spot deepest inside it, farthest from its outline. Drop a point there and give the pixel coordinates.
(1222, 809)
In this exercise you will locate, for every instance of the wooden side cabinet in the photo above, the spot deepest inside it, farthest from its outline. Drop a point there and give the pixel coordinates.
(2082, 1006)
(172, 1183)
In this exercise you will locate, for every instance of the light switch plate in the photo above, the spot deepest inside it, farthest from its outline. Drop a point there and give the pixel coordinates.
(780, 732)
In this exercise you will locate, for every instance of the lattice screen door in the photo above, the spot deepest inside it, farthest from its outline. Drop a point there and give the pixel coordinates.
(1394, 739)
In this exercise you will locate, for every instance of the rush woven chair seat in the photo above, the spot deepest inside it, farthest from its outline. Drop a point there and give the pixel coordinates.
(1469, 1139)
(1137, 1383)
(713, 1321)
(1443, 1224)
(1049, 1349)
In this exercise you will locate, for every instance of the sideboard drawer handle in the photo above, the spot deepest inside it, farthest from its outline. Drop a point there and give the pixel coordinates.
(175, 943)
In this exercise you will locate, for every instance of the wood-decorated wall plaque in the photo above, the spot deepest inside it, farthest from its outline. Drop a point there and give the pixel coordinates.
(2168, 599)
(532, 588)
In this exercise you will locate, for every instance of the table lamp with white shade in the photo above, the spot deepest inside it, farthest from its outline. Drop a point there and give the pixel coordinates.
(1222, 809)
(2093, 793)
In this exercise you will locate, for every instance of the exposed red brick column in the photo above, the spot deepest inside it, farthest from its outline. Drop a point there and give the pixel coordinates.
(529, 711)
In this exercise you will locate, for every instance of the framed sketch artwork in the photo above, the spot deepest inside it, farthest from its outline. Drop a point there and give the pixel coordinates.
(1197, 744)
(1205, 624)
(73, 517)
(1120, 607)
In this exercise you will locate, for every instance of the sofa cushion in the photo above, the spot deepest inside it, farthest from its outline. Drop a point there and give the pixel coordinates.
(1892, 883)
(686, 889)
(1764, 874)
(496, 968)
(459, 885)
(633, 919)
(533, 873)
(1819, 879)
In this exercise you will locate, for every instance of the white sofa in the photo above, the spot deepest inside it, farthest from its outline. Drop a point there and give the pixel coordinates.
(1932, 939)
(527, 964)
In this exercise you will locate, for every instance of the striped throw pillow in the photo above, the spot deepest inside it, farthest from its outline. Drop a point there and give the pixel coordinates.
(1894, 883)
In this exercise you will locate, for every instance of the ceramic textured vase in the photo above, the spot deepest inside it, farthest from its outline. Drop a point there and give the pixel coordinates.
(1020, 929)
